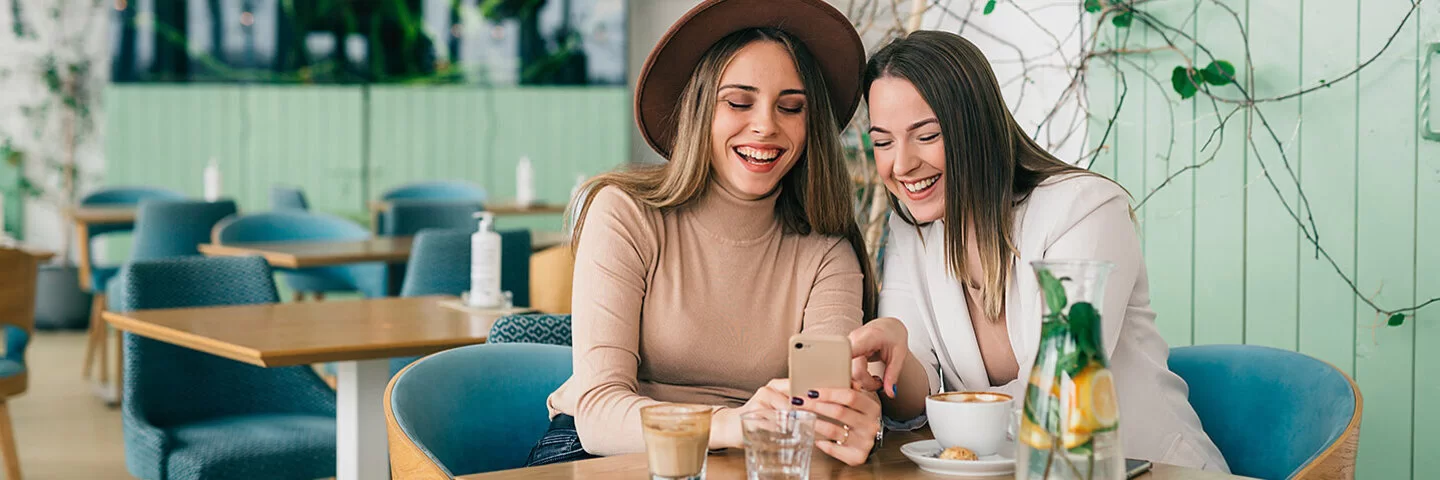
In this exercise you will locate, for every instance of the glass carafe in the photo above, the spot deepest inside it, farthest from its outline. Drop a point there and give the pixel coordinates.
(1069, 426)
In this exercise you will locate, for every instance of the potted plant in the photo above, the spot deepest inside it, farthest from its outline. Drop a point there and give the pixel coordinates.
(52, 71)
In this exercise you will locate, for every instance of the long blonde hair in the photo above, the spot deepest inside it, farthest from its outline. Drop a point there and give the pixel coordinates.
(991, 165)
(815, 196)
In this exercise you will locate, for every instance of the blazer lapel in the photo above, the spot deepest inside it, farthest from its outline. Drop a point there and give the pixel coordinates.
(951, 319)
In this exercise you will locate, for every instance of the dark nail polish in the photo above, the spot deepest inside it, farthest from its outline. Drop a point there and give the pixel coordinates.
(797, 401)
(812, 394)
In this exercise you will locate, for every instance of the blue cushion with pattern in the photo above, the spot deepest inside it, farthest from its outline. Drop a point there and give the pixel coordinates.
(535, 328)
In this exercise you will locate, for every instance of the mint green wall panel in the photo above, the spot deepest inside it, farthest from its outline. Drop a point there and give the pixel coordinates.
(1328, 169)
(1220, 190)
(163, 135)
(1271, 233)
(480, 135)
(1386, 241)
(1427, 280)
(309, 137)
(1168, 218)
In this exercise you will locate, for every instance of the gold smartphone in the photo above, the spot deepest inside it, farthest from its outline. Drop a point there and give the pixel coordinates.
(818, 361)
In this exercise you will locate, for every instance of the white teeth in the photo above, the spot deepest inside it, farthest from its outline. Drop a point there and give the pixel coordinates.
(920, 185)
(757, 154)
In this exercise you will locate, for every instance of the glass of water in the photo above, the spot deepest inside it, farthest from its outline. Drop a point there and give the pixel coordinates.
(778, 444)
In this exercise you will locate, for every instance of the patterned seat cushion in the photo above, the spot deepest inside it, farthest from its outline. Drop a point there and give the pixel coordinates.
(546, 329)
(254, 446)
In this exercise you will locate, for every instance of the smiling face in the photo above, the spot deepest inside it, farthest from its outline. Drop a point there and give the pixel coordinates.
(758, 132)
(909, 149)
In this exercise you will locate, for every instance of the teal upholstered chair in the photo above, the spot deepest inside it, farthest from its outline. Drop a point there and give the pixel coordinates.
(441, 190)
(288, 198)
(164, 228)
(192, 415)
(299, 225)
(440, 265)
(1273, 413)
(100, 275)
(441, 410)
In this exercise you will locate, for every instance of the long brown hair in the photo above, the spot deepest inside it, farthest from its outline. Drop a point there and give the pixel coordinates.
(991, 165)
(815, 196)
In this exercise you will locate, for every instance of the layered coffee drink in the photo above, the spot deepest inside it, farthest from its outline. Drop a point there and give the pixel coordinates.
(971, 397)
(676, 437)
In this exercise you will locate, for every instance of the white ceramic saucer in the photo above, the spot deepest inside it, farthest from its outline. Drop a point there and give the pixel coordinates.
(926, 453)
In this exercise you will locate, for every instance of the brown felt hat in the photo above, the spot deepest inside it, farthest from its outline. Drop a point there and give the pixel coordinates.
(826, 32)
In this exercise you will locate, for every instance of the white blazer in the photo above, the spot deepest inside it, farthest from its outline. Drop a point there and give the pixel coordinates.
(1069, 217)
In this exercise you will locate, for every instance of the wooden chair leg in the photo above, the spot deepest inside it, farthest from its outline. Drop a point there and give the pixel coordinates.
(103, 352)
(298, 296)
(7, 444)
(319, 296)
(119, 383)
(97, 325)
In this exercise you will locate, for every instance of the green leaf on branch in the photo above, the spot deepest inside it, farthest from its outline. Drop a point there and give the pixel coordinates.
(989, 7)
(1054, 292)
(1093, 6)
(1396, 320)
(1184, 82)
(1123, 20)
(1219, 73)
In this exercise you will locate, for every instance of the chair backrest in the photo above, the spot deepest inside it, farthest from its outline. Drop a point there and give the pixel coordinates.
(440, 263)
(532, 328)
(171, 385)
(443, 190)
(120, 197)
(287, 198)
(287, 225)
(408, 217)
(17, 301)
(167, 228)
(471, 409)
(1272, 413)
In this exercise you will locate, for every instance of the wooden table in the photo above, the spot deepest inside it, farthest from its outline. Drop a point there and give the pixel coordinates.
(321, 254)
(887, 464)
(499, 209)
(359, 334)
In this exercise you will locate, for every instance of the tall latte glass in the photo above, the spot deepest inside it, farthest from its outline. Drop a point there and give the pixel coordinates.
(676, 437)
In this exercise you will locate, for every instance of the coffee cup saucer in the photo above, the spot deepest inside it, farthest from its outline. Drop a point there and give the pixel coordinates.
(926, 454)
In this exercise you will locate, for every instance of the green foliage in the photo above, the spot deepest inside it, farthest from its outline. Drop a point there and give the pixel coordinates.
(1093, 6)
(989, 7)
(1054, 292)
(1188, 81)
(1396, 320)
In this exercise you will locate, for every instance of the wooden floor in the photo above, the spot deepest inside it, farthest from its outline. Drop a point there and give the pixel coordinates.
(63, 430)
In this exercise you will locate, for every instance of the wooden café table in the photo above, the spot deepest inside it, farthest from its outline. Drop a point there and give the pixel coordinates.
(887, 464)
(83, 218)
(306, 254)
(361, 335)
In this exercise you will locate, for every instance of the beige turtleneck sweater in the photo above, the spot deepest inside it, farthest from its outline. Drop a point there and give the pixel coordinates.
(693, 305)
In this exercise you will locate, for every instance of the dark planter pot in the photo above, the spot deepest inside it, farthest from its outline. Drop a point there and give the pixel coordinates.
(59, 301)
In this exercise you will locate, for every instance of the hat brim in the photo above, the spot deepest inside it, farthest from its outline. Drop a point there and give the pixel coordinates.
(826, 33)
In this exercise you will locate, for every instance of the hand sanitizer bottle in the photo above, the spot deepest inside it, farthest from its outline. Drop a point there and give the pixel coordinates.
(212, 180)
(524, 183)
(485, 264)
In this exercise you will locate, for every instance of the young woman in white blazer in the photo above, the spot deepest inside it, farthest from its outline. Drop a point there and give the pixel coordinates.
(978, 200)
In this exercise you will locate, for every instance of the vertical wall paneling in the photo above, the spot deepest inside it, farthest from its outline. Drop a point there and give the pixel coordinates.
(1271, 258)
(1386, 237)
(1427, 268)
(1219, 191)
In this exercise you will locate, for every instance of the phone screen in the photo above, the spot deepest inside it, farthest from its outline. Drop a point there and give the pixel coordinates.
(1135, 468)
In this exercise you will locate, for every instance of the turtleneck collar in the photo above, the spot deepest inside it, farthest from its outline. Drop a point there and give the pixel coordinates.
(727, 217)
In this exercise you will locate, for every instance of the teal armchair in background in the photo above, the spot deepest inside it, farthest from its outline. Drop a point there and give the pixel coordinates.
(17, 323)
(441, 410)
(99, 275)
(288, 198)
(299, 225)
(192, 415)
(164, 228)
(1273, 413)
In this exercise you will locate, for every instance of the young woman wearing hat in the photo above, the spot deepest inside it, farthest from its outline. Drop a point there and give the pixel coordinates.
(963, 312)
(691, 276)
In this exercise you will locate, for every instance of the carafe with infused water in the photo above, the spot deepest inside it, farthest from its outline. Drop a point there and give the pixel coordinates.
(1069, 425)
